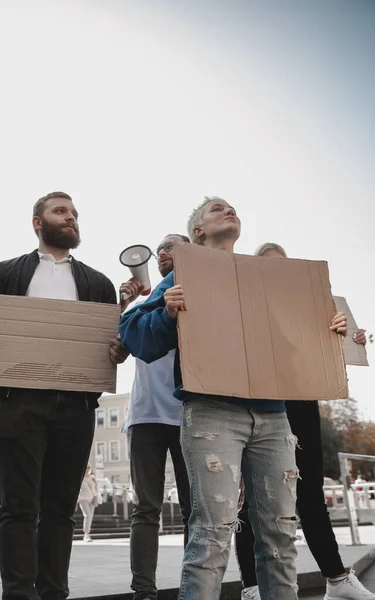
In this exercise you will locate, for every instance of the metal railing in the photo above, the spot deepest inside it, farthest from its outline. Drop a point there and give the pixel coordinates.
(350, 491)
(361, 498)
(347, 495)
(122, 494)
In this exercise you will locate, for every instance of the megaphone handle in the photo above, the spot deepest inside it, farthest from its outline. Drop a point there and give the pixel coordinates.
(125, 296)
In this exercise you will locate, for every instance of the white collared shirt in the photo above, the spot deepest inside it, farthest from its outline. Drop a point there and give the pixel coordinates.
(53, 279)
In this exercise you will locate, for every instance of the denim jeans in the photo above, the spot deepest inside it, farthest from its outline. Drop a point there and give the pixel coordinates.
(45, 441)
(219, 440)
(304, 419)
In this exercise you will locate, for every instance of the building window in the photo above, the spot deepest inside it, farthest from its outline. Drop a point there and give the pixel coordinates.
(114, 450)
(100, 418)
(115, 478)
(101, 450)
(113, 417)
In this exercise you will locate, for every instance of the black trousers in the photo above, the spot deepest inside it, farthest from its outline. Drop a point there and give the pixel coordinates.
(304, 419)
(45, 441)
(149, 443)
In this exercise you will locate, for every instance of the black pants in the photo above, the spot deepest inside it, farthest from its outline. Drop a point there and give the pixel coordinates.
(149, 444)
(304, 419)
(45, 441)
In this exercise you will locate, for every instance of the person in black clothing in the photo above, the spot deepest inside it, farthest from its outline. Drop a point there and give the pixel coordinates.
(45, 435)
(304, 419)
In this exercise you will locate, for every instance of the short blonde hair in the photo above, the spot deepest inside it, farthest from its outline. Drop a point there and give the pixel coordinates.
(196, 217)
(270, 246)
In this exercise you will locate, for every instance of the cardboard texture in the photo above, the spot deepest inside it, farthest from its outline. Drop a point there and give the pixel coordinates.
(57, 344)
(355, 354)
(257, 327)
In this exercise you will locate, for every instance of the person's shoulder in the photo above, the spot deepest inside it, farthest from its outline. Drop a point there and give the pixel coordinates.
(159, 290)
(12, 262)
(90, 271)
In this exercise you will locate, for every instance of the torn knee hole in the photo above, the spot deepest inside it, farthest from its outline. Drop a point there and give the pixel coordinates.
(232, 525)
(287, 525)
(213, 463)
(292, 441)
(291, 474)
(206, 435)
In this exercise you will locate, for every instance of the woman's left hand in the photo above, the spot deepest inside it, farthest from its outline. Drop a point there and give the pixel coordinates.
(360, 337)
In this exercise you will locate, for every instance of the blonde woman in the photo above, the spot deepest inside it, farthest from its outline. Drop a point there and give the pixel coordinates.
(304, 420)
(88, 499)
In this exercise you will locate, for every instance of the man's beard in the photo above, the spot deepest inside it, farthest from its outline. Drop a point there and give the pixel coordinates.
(166, 269)
(57, 237)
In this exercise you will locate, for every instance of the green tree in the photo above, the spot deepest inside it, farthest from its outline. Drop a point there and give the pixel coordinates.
(343, 431)
(360, 439)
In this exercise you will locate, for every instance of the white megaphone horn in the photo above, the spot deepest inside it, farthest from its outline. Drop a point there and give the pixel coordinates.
(136, 259)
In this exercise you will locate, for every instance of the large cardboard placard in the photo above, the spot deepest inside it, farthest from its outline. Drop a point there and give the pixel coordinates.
(57, 344)
(257, 328)
(355, 354)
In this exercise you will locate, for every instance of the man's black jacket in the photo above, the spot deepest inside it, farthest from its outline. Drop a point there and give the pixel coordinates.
(92, 286)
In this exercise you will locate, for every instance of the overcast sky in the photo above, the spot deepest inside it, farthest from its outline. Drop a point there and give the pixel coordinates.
(139, 108)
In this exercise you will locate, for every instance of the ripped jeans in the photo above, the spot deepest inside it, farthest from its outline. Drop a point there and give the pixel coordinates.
(219, 440)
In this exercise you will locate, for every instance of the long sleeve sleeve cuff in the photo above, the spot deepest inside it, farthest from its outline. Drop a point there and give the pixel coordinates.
(168, 321)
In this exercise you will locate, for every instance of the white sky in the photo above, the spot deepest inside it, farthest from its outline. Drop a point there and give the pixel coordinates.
(139, 108)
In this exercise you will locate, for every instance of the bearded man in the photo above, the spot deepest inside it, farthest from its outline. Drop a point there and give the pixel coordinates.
(46, 435)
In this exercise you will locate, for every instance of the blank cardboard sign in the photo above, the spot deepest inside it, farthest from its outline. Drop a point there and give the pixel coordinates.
(57, 344)
(355, 354)
(257, 327)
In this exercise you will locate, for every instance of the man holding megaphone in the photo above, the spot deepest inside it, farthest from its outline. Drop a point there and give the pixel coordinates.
(153, 428)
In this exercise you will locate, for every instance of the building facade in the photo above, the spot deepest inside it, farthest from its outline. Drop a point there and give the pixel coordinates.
(110, 453)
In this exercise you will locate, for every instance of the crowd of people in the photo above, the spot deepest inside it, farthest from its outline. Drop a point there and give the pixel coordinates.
(269, 449)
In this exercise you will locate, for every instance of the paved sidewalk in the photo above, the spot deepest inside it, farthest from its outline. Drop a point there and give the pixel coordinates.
(103, 568)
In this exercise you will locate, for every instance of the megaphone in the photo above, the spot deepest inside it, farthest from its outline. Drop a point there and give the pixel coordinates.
(136, 259)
